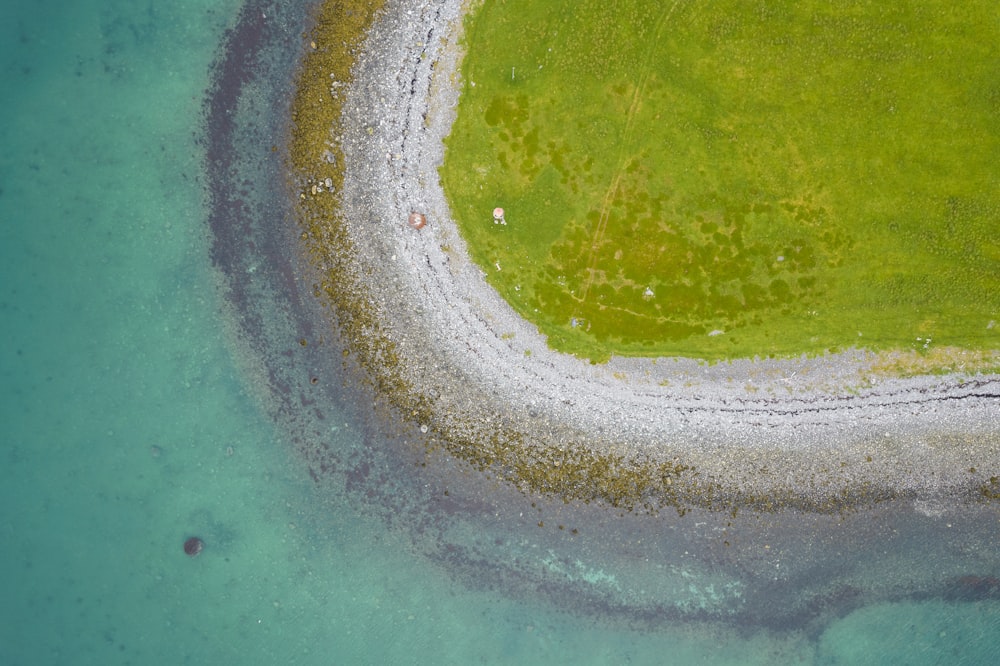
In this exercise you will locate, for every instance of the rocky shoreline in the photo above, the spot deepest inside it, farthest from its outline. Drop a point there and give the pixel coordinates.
(817, 433)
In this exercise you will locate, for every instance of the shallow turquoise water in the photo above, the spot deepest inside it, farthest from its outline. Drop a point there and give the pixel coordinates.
(126, 426)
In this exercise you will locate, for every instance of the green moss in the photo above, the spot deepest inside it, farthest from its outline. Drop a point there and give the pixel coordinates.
(991, 490)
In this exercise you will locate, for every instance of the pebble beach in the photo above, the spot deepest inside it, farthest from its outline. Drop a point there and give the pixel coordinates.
(809, 431)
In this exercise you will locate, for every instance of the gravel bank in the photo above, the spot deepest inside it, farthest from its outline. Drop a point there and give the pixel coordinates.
(812, 432)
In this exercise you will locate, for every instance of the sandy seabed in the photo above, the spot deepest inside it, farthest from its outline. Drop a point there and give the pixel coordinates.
(807, 430)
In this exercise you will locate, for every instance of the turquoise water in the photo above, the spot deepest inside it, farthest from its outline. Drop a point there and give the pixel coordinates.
(126, 425)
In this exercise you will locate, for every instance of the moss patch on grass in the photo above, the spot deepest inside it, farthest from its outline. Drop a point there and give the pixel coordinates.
(734, 179)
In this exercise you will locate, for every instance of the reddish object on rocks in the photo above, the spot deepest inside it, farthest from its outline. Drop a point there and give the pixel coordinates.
(417, 220)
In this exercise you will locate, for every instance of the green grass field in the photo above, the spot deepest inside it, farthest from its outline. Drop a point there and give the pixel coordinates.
(731, 179)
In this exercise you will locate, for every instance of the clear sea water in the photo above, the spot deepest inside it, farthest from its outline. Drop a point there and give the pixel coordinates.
(125, 425)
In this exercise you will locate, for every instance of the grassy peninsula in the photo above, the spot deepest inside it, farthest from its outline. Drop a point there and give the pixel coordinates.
(733, 179)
